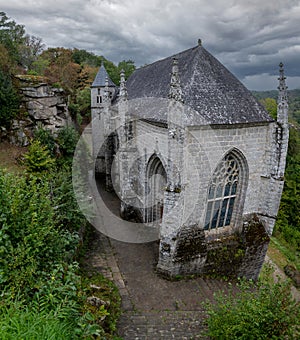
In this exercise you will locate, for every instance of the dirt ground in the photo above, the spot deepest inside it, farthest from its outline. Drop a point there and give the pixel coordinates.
(11, 156)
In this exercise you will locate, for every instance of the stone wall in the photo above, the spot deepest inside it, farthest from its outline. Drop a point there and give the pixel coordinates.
(41, 105)
(240, 254)
(228, 249)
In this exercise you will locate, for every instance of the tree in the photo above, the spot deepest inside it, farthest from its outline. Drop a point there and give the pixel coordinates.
(9, 100)
(270, 105)
(82, 57)
(114, 71)
(38, 158)
(30, 50)
(12, 36)
(288, 221)
(58, 66)
(39, 66)
(127, 66)
(5, 61)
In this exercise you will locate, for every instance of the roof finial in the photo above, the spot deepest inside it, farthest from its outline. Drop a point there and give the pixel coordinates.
(282, 94)
(123, 89)
(175, 88)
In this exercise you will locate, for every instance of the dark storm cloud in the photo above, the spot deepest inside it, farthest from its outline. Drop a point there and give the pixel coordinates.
(249, 37)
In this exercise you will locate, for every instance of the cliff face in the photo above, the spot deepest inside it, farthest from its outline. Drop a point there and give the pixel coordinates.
(41, 106)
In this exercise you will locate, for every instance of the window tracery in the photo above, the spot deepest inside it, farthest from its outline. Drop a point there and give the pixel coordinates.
(222, 193)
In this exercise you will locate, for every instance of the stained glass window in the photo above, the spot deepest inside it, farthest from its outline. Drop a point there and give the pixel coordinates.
(222, 193)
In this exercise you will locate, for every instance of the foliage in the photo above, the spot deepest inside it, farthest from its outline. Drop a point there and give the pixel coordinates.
(67, 139)
(254, 311)
(82, 57)
(17, 52)
(57, 65)
(127, 66)
(30, 50)
(9, 100)
(39, 66)
(109, 294)
(46, 139)
(23, 49)
(5, 60)
(270, 105)
(38, 158)
(67, 211)
(24, 322)
(12, 36)
(42, 293)
(114, 71)
(83, 101)
(30, 241)
(288, 222)
(80, 106)
(293, 98)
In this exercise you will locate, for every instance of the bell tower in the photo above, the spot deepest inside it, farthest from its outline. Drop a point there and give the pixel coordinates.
(103, 92)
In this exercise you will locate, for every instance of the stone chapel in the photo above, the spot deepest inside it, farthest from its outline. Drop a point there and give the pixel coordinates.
(189, 150)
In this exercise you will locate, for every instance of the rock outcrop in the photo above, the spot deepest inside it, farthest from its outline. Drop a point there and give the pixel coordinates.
(41, 105)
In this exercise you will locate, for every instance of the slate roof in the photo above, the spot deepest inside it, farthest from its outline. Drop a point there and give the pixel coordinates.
(212, 93)
(100, 78)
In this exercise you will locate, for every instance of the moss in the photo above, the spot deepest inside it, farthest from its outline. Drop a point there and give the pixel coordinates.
(225, 256)
(31, 79)
(190, 244)
(107, 315)
(254, 232)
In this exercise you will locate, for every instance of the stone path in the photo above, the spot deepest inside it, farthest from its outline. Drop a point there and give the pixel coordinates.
(153, 308)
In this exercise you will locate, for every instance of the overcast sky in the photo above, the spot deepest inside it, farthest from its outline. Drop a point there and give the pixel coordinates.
(250, 37)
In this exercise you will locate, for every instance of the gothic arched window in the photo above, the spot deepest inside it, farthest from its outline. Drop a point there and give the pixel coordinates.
(156, 178)
(224, 192)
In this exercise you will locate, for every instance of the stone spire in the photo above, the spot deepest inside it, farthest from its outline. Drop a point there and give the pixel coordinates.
(282, 119)
(106, 91)
(282, 102)
(175, 88)
(123, 89)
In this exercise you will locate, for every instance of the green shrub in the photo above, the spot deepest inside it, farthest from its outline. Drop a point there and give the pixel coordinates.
(67, 139)
(31, 241)
(9, 100)
(42, 294)
(67, 212)
(263, 311)
(38, 158)
(46, 138)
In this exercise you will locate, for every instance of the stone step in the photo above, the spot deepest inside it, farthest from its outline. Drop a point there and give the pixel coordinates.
(162, 325)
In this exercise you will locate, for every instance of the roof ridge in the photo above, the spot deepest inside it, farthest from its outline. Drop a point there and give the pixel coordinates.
(169, 57)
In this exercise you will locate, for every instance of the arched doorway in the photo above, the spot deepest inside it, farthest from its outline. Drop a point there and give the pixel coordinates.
(156, 182)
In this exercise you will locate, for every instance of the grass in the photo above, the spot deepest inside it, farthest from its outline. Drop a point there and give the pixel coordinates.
(282, 254)
(276, 255)
(28, 324)
(10, 157)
